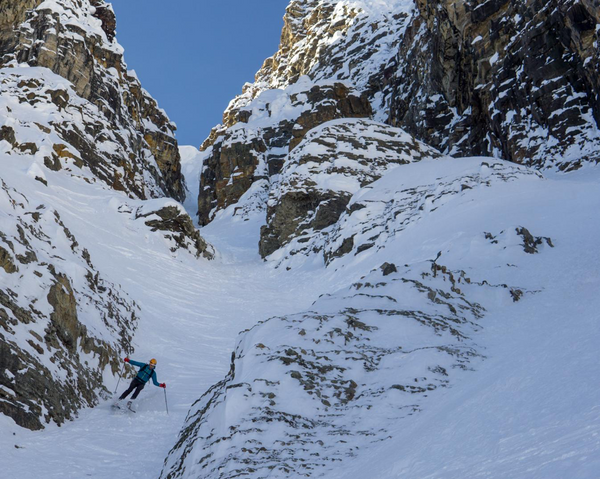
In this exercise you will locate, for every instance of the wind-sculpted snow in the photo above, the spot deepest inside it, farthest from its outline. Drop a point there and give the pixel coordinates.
(308, 391)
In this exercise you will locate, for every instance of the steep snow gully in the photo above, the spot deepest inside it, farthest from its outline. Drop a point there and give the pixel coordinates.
(191, 317)
(529, 410)
(357, 354)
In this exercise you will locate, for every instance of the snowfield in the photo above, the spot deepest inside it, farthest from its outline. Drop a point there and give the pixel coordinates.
(529, 409)
(192, 310)
(416, 315)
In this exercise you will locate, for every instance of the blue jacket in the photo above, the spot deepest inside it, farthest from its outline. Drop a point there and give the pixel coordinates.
(145, 373)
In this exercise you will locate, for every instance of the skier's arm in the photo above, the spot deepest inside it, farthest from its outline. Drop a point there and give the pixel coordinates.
(135, 363)
(154, 380)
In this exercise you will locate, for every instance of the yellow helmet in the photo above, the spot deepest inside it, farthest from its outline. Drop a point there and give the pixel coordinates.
(153, 362)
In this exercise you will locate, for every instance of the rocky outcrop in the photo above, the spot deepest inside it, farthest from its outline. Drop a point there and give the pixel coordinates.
(52, 363)
(315, 388)
(517, 80)
(178, 228)
(262, 133)
(124, 137)
(319, 177)
(530, 244)
(371, 218)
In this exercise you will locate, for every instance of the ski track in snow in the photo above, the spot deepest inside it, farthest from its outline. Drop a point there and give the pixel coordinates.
(531, 409)
(190, 319)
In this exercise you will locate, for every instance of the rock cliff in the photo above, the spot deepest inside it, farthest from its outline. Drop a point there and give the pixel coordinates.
(123, 137)
(515, 81)
(74, 125)
(255, 146)
(334, 62)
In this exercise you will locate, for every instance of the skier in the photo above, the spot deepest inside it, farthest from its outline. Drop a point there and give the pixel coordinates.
(143, 376)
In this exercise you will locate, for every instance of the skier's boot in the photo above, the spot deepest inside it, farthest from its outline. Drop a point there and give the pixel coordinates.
(129, 405)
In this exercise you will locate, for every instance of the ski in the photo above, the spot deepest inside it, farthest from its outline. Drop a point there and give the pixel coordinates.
(124, 408)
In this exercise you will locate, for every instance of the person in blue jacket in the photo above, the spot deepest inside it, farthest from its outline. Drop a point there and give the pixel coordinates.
(144, 375)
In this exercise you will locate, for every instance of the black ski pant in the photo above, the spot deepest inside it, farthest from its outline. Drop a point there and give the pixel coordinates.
(135, 384)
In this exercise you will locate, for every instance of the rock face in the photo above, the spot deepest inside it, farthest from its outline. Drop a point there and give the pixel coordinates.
(320, 176)
(117, 129)
(51, 363)
(516, 81)
(12, 14)
(261, 134)
(352, 42)
(334, 62)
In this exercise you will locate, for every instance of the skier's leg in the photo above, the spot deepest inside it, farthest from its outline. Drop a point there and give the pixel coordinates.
(138, 389)
(128, 391)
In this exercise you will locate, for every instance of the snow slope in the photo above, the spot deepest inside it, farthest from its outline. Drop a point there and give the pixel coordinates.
(191, 310)
(528, 410)
(316, 393)
(191, 165)
(531, 409)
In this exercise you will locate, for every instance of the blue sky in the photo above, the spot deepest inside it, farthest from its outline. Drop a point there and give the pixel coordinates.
(194, 56)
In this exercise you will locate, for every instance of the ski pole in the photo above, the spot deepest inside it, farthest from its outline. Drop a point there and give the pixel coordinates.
(122, 369)
(166, 405)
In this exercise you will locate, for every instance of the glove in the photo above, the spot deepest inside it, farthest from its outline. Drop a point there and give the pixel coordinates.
(162, 385)
(126, 360)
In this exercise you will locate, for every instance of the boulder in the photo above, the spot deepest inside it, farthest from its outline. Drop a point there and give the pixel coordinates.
(319, 177)
(179, 228)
